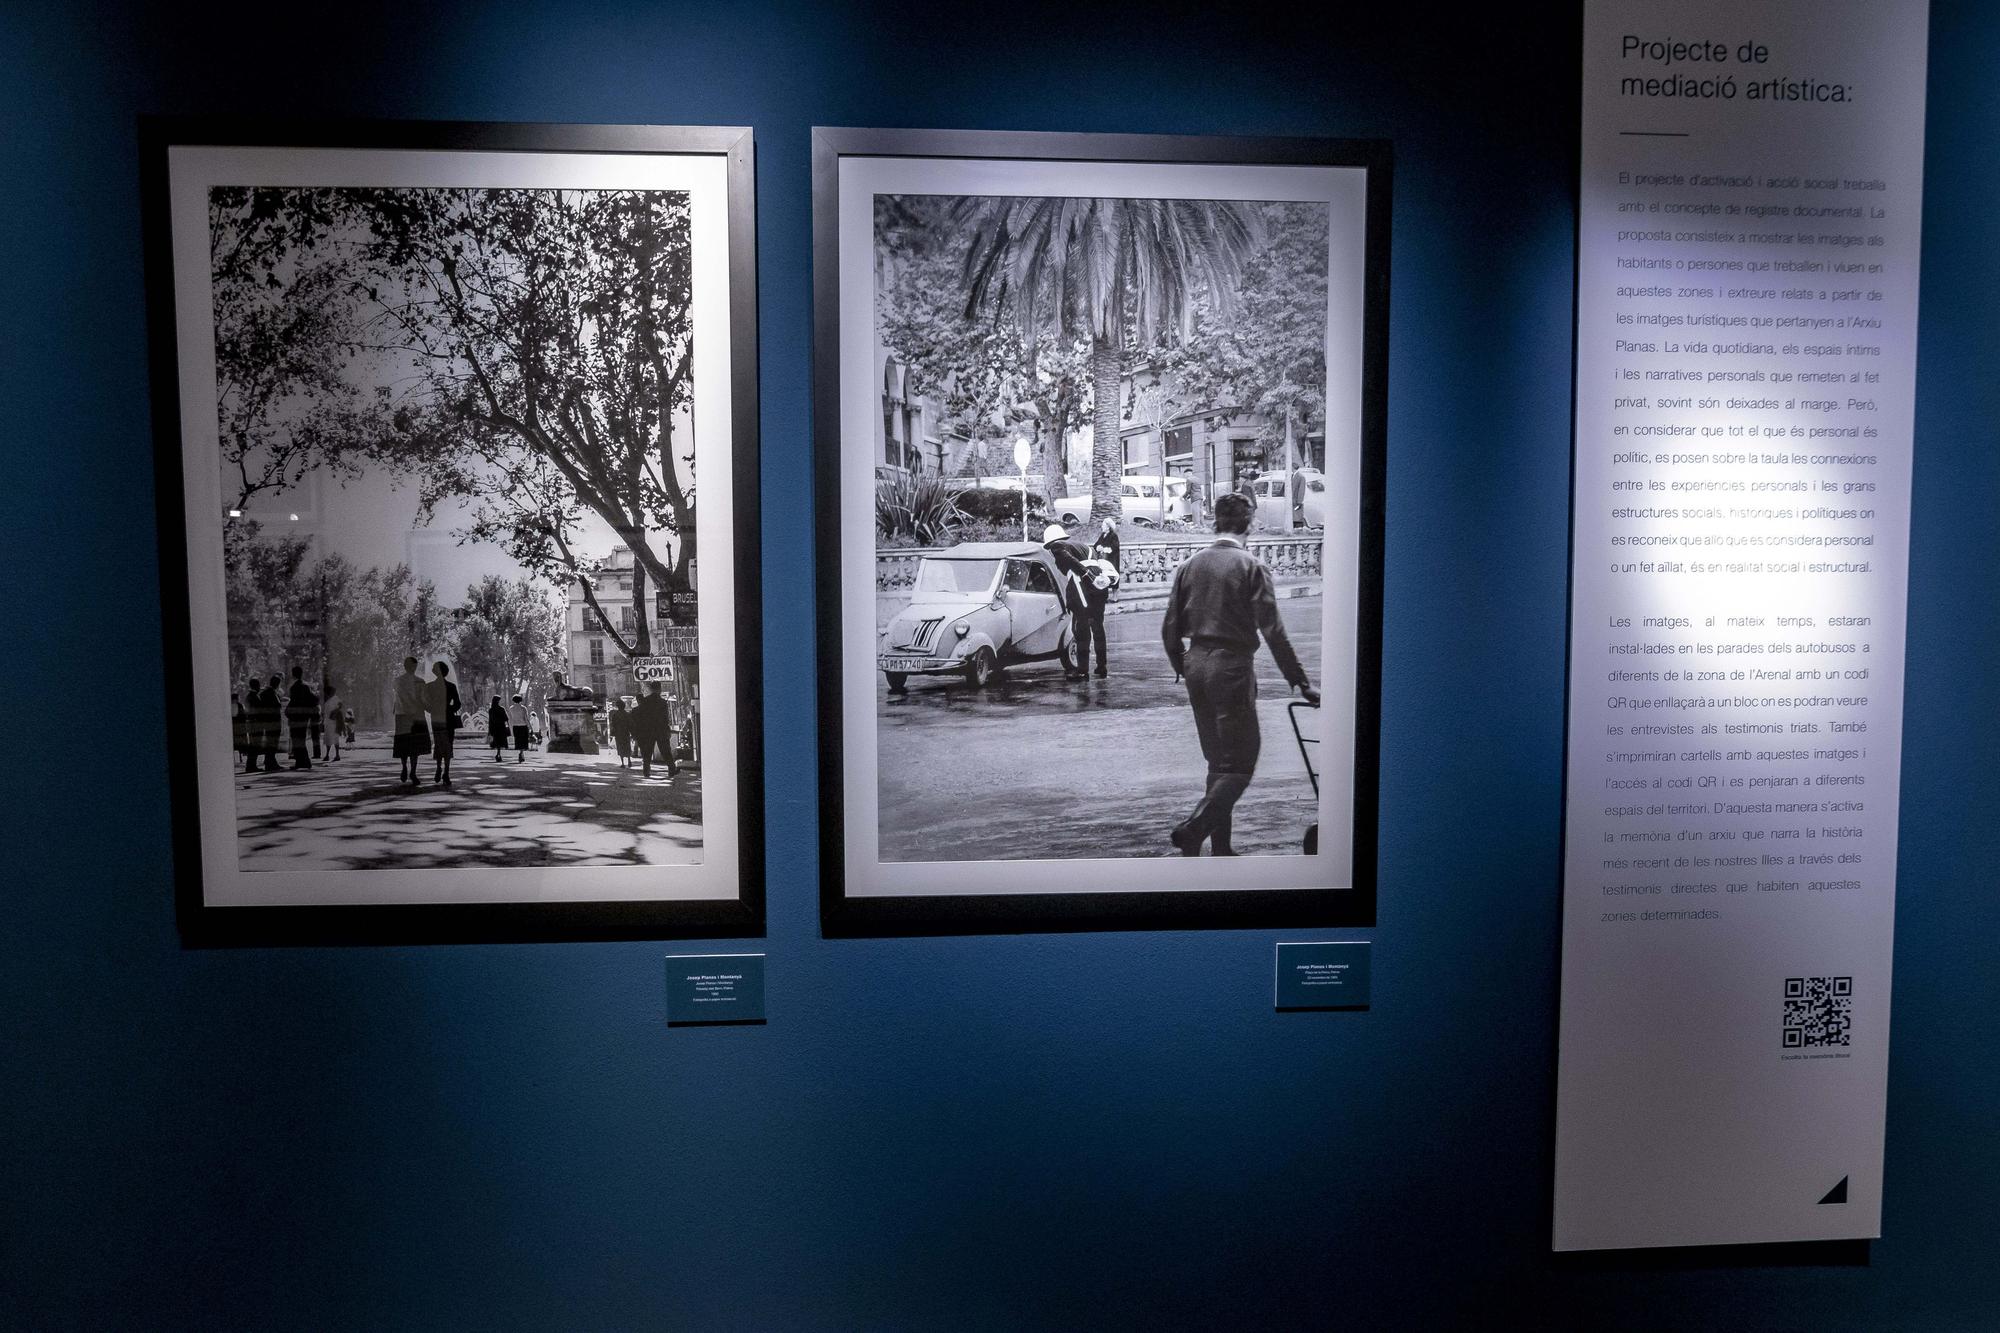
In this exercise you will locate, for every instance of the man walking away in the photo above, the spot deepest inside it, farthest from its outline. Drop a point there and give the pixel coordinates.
(239, 726)
(301, 711)
(1222, 599)
(253, 724)
(651, 727)
(273, 709)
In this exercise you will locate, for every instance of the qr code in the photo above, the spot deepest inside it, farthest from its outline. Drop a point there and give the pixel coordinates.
(1819, 1011)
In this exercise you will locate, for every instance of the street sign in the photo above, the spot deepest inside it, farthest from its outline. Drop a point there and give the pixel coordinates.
(648, 669)
(676, 640)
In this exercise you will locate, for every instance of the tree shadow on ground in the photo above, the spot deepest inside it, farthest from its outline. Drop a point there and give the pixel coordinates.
(549, 811)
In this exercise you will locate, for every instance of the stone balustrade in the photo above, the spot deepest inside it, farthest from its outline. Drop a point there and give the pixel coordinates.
(1150, 566)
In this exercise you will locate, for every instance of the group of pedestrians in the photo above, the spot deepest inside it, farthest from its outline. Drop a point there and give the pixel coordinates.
(643, 729)
(427, 720)
(427, 716)
(508, 722)
(268, 715)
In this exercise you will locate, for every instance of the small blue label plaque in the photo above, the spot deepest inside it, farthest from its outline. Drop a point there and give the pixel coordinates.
(1322, 975)
(715, 988)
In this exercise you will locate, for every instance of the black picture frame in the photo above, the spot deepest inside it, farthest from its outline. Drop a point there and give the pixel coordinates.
(845, 915)
(203, 924)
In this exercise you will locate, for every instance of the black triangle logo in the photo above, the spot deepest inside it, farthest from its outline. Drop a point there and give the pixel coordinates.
(1838, 1194)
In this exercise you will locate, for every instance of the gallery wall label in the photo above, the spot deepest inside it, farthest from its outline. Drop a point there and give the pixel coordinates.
(1746, 341)
(1330, 974)
(705, 989)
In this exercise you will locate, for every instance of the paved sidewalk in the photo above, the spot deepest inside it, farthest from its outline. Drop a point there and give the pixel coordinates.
(552, 810)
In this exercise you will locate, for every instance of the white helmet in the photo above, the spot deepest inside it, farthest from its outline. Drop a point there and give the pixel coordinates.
(1054, 533)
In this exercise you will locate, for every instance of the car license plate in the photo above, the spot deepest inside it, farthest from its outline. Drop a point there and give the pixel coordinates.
(908, 662)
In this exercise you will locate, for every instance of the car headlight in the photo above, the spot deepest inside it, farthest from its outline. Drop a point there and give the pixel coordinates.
(961, 629)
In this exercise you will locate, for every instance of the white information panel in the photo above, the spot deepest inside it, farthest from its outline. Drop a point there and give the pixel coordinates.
(1746, 345)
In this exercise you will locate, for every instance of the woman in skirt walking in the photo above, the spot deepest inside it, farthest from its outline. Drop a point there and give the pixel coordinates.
(413, 737)
(496, 728)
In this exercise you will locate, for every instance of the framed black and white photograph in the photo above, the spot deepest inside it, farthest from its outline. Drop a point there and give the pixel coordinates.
(457, 446)
(1099, 424)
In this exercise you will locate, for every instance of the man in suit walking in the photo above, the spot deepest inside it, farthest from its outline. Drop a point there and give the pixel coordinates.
(301, 708)
(653, 725)
(1222, 600)
(272, 707)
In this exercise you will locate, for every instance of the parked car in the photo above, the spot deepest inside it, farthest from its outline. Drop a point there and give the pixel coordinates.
(976, 610)
(1139, 502)
(1270, 492)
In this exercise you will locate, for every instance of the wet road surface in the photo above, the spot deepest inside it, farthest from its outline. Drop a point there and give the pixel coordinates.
(1037, 766)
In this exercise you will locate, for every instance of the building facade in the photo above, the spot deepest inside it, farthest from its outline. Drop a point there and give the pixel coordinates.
(596, 661)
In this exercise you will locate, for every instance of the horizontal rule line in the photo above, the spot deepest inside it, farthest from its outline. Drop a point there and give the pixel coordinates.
(1657, 134)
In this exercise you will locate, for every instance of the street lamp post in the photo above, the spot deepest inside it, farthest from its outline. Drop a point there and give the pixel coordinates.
(1021, 453)
(1291, 471)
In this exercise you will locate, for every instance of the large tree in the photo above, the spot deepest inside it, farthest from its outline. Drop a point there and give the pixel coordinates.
(990, 385)
(1271, 359)
(529, 352)
(372, 620)
(274, 615)
(352, 627)
(1124, 274)
(552, 336)
(508, 637)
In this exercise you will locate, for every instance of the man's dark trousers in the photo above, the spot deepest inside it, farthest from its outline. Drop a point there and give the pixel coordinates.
(1222, 687)
(651, 739)
(1089, 622)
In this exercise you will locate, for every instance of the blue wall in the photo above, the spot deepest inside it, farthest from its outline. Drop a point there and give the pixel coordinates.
(1070, 1131)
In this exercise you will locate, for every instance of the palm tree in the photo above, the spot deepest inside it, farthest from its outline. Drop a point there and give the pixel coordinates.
(1127, 274)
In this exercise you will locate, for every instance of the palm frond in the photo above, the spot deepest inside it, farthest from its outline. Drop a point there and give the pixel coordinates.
(1128, 271)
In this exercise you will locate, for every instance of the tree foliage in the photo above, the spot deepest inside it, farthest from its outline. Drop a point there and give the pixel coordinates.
(286, 332)
(508, 636)
(529, 352)
(1270, 359)
(1124, 275)
(274, 618)
(992, 385)
(354, 627)
(553, 332)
